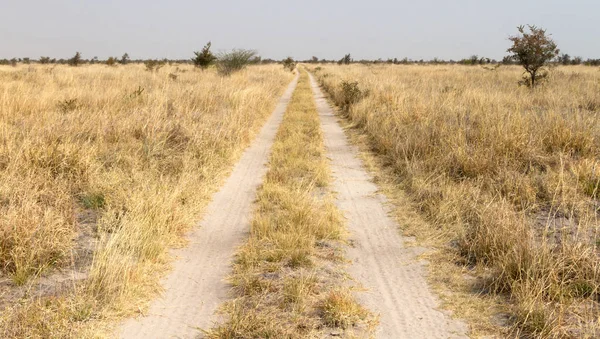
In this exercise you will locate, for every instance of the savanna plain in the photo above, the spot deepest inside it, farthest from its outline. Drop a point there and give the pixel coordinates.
(103, 169)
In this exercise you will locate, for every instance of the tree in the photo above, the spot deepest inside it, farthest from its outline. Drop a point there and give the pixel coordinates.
(289, 64)
(257, 60)
(564, 59)
(533, 51)
(314, 60)
(204, 58)
(236, 60)
(44, 60)
(346, 60)
(124, 59)
(111, 61)
(75, 60)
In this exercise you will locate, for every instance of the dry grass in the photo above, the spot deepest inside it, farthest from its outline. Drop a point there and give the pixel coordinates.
(102, 169)
(286, 276)
(506, 178)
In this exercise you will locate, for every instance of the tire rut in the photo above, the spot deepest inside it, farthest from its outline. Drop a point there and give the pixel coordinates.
(393, 275)
(195, 287)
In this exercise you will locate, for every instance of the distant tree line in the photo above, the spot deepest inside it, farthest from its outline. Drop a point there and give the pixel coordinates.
(238, 57)
(472, 61)
(563, 59)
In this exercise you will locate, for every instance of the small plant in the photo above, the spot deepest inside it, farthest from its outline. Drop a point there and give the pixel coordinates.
(137, 93)
(351, 94)
(153, 65)
(93, 201)
(75, 60)
(204, 58)
(340, 310)
(68, 105)
(234, 61)
(289, 64)
(112, 61)
(564, 59)
(346, 60)
(124, 59)
(533, 51)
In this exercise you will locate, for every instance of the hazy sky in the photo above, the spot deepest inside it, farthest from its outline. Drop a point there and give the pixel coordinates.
(327, 29)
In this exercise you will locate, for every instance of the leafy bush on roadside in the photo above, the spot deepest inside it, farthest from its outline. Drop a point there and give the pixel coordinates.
(289, 64)
(236, 60)
(351, 94)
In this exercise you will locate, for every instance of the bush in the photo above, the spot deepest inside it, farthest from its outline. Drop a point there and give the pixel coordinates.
(351, 94)
(236, 60)
(289, 64)
(75, 60)
(124, 59)
(204, 58)
(346, 60)
(153, 65)
(111, 61)
(533, 51)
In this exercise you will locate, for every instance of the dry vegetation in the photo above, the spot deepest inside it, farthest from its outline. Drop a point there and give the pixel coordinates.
(507, 178)
(102, 169)
(288, 279)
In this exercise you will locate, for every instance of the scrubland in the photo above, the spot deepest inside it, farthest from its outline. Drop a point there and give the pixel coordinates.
(102, 169)
(506, 178)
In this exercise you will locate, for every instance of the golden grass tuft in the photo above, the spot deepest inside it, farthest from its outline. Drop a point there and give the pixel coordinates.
(339, 309)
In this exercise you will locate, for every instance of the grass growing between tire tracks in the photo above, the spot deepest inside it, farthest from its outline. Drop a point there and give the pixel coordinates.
(287, 277)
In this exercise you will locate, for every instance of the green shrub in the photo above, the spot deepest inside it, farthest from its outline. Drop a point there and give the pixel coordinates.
(236, 60)
(350, 94)
(533, 51)
(204, 58)
(75, 60)
(153, 65)
(112, 61)
(289, 64)
(124, 59)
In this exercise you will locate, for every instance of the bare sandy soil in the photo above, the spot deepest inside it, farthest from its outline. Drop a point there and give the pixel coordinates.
(196, 287)
(394, 278)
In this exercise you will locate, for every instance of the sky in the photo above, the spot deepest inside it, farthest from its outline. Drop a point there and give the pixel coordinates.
(417, 29)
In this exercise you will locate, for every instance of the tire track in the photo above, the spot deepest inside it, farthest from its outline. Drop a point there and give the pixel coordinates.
(195, 287)
(391, 272)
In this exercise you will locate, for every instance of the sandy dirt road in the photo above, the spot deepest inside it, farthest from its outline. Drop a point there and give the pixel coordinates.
(195, 287)
(393, 276)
